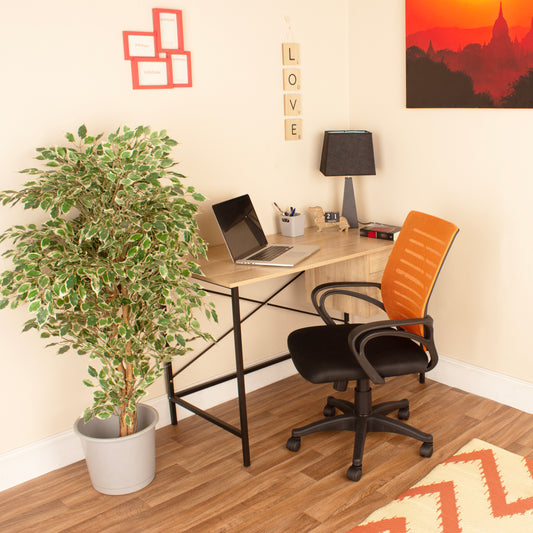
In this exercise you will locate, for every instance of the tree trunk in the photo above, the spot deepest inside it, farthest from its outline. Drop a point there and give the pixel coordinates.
(127, 370)
(125, 428)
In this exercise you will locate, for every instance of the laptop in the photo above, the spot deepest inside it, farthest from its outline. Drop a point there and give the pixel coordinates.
(246, 240)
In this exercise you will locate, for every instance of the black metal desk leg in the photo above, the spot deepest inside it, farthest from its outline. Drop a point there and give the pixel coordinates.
(235, 305)
(170, 394)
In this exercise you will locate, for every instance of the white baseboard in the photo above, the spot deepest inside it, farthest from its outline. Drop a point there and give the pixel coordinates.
(63, 449)
(38, 458)
(503, 389)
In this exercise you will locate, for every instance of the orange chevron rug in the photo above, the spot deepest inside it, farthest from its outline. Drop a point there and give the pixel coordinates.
(480, 489)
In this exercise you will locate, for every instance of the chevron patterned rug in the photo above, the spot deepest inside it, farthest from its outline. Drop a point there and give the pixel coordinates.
(480, 489)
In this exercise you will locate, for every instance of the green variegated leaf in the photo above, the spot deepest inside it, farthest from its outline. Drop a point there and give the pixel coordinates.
(23, 288)
(96, 284)
(34, 306)
(93, 231)
(82, 293)
(73, 298)
(42, 315)
(67, 206)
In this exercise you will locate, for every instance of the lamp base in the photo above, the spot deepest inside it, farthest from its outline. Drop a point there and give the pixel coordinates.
(349, 211)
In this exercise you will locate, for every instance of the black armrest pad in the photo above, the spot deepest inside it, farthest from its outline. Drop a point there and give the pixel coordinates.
(361, 334)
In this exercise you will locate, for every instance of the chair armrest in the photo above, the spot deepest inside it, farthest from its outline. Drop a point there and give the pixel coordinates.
(362, 334)
(321, 292)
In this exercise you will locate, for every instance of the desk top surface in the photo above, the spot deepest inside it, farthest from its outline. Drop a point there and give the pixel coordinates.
(335, 246)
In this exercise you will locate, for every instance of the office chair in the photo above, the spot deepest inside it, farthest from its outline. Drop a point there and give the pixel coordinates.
(404, 344)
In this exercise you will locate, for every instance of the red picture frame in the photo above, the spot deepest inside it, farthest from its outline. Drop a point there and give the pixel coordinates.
(168, 27)
(139, 44)
(151, 73)
(180, 70)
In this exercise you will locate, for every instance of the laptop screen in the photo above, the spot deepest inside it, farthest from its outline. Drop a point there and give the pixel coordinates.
(240, 226)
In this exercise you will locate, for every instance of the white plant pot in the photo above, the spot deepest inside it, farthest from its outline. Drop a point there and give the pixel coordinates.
(119, 465)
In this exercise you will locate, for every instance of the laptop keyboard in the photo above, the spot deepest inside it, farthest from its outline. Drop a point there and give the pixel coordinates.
(269, 253)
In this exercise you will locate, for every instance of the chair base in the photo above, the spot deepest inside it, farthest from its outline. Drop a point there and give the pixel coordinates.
(363, 418)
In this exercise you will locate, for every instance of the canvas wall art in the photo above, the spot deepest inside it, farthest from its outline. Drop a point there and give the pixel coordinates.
(470, 54)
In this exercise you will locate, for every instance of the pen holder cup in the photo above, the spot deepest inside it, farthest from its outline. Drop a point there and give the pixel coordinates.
(292, 226)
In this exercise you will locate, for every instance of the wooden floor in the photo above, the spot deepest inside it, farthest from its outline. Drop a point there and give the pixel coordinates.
(201, 485)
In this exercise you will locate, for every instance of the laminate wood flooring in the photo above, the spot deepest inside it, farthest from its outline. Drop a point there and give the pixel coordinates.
(202, 486)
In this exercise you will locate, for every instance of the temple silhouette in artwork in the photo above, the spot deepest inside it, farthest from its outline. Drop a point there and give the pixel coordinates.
(497, 73)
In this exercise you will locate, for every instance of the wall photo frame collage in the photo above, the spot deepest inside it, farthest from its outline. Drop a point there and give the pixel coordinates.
(158, 58)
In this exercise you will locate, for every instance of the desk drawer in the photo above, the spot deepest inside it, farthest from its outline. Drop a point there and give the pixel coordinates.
(377, 262)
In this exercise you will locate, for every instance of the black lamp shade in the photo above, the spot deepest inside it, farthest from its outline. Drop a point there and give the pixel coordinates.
(347, 153)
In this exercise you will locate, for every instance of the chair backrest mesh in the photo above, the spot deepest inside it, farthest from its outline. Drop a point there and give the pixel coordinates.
(413, 266)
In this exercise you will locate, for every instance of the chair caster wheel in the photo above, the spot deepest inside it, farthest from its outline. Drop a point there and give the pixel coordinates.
(329, 410)
(426, 450)
(354, 473)
(403, 414)
(293, 444)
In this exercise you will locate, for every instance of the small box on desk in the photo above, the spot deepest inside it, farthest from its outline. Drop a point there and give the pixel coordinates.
(292, 226)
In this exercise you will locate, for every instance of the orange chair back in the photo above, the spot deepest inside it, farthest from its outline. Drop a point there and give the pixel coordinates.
(413, 266)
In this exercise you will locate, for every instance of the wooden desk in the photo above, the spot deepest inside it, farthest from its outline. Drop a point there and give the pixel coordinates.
(343, 256)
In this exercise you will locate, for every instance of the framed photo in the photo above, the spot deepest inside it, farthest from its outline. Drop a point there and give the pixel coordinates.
(151, 73)
(469, 54)
(181, 69)
(139, 44)
(168, 27)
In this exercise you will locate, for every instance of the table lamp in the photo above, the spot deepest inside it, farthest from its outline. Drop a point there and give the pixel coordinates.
(348, 153)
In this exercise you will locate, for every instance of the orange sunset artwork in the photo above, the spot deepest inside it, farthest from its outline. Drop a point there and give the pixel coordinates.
(469, 53)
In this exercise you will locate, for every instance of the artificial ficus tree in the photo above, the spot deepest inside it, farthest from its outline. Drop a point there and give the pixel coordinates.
(109, 272)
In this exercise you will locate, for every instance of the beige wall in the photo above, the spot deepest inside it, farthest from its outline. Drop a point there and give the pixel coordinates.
(63, 65)
(472, 166)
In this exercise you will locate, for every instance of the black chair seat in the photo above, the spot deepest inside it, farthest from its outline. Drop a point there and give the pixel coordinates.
(321, 354)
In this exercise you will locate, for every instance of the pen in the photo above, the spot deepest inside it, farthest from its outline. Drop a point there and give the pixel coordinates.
(278, 208)
(293, 211)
